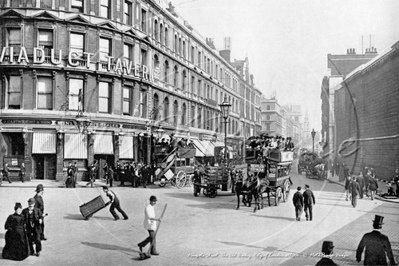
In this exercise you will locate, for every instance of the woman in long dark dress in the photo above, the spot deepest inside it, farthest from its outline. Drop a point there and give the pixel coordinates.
(16, 247)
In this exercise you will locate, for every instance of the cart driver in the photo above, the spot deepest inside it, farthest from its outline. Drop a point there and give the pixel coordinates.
(197, 182)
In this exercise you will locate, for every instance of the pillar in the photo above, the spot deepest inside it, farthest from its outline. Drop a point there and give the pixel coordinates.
(60, 157)
(29, 175)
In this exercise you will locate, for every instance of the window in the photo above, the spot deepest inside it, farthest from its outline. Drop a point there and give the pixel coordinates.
(175, 44)
(127, 100)
(104, 99)
(166, 37)
(14, 92)
(155, 112)
(143, 104)
(183, 114)
(127, 13)
(267, 117)
(156, 30)
(14, 39)
(77, 6)
(166, 110)
(144, 20)
(44, 93)
(105, 9)
(268, 127)
(192, 84)
(105, 49)
(199, 117)
(180, 49)
(166, 72)
(143, 57)
(184, 49)
(75, 95)
(193, 115)
(45, 3)
(77, 43)
(175, 77)
(128, 52)
(161, 33)
(192, 54)
(183, 80)
(199, 59)
(46, 41)
(267, 107)
(175, 112)
(199, 88)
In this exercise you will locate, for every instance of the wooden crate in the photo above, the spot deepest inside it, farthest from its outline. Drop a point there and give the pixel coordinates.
(92, 206)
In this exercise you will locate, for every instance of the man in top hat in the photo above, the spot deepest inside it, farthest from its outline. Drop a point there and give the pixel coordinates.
(308, 201)
(33, 218)
(39, 203)
(327, 250)
(150, 223)
(377, 246)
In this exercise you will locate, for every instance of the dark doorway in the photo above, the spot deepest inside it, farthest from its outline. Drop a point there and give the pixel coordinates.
(44, 166)
(101, 160)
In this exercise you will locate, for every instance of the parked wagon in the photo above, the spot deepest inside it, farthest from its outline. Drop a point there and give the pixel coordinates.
(213, 179)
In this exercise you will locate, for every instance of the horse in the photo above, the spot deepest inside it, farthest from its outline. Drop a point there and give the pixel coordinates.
(254, 186)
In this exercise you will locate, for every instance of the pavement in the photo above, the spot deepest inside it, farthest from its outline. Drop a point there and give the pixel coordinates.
(198, 230)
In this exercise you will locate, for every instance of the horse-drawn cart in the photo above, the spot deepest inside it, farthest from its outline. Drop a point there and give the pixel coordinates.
(312, 165)
(279, 181)
(213, 178)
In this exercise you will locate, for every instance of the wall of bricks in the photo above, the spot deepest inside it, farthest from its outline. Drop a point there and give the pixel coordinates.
(366, 108)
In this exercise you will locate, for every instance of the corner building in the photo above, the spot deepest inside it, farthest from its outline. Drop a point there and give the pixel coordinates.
(85, 80)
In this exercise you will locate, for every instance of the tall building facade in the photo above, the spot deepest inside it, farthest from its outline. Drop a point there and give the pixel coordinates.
(339, 66)
(101, 80)
(366, 115)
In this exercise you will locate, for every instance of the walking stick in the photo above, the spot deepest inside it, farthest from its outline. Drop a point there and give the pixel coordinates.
(148, 254)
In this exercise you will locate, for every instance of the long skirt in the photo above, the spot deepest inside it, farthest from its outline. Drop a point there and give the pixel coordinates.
(17, 247)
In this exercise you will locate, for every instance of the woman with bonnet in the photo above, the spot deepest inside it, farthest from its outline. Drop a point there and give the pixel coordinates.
(16, 247)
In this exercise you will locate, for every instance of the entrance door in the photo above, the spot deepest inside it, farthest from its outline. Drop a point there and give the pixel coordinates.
(102, 159)
(45, 166)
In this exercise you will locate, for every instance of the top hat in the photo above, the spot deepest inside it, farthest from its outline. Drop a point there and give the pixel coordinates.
(31, 201)
(39, 188)
(153, 198)
(378, 221)
(327, 246)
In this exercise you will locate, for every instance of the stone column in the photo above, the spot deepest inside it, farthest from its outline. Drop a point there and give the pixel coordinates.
(60, 157)
(29, 174)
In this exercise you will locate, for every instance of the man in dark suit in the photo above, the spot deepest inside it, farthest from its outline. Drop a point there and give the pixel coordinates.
(22, 171)
(6, 172)
(354, 191)
(377, 246)
(309, 201)
(39, 203)
(298, 203)
(33, 218)
(360, 181)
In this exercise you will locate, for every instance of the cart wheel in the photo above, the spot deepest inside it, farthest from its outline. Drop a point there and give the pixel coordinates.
(278, 196)
(190, 180)
(213, 193)
(286, 190)
(180, 179)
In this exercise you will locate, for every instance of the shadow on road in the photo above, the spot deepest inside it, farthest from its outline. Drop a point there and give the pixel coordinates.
(274, 217)
(108, 247)
(268, 249)
(74, 217)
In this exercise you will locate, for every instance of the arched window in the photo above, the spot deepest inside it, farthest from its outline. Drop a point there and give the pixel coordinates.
(180, 47)
(267, 107)
(176, 44)
(155, 111)
(175, 112)
(161, 38)
(183, 80)
(166, 110)
(166, 72)
(175, 76)
(156, 30)
(166, 37)
(183, 114)
(184, 50)
(156, 61)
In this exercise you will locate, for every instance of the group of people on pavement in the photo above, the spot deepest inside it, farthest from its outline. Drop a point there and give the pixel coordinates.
(25, 229)
(5, 173)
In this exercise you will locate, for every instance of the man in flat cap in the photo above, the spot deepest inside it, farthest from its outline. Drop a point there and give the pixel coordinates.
(327, 250)
(150, 224)
(377, 245)
(115, 204)
(33, 218)
(39, 203)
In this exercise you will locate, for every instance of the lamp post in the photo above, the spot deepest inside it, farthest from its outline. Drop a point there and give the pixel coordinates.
(225, 108)
(313, 134)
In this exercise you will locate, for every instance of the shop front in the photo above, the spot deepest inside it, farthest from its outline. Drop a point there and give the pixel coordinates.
(103, 150)
(44, 159)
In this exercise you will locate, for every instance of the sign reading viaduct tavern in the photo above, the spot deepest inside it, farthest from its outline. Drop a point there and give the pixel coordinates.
(121, 66)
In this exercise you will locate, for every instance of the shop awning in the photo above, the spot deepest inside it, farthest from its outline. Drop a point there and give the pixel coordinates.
(198, 144)
(44, 142)
(103, 144)
(75, 146)
(210, 148)
(126, 149)
(218, 144)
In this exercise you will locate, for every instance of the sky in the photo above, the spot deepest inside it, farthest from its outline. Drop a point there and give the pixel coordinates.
(287, 41)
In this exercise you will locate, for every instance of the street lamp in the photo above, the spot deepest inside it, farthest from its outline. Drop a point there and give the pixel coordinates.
(225, 108)
(313, 134)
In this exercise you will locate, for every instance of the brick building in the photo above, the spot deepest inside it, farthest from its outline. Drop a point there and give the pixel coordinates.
(101, 80)
(366, 115)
